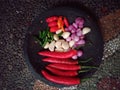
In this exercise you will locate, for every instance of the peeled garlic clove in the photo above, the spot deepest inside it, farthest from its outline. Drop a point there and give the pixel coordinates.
(58, 31)
(65, 35)
(58, 44)
(71, 43)
(65, 50)
(61, 40)
(65, 45)
(56, 37)
(85, 30)
(52, 46)
(59, 49)
(46, 45)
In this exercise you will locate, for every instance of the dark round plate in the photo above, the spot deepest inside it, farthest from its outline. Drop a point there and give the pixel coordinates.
(94, 50)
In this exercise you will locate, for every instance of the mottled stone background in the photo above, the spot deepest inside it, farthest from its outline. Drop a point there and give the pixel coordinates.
(15, 18)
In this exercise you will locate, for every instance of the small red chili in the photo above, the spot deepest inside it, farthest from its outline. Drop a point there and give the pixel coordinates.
(66, 22)
(52, 24)
(54, 29)
(51, 19)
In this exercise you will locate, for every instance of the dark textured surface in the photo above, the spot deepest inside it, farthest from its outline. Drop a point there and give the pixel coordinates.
(15, 18)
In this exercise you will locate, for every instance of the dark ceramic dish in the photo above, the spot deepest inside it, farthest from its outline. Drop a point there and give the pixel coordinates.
(94, 50)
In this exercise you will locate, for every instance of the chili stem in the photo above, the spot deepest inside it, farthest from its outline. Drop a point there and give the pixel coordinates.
(85, 67)
(85, 61)
(82, 71)
(85, 79)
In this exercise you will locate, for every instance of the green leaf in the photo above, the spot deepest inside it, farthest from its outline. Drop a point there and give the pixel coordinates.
(44, 37)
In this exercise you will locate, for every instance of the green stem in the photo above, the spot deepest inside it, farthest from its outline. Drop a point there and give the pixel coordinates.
(85, 79)
(85, 61)
(82, 71)
(85, 67)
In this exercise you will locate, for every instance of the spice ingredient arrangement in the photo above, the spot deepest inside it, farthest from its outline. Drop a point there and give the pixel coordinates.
(62, 44)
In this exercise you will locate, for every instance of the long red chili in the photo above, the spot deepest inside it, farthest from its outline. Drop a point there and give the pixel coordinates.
(63, 61)
(65, 72)
(61, 79)
(68, 54)
(70, 66)
(62, 72)
(65, 67)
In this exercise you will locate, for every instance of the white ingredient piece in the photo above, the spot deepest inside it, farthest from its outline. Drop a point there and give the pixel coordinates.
(58, 31)
(52, 46)
(58, 44)
(71, 43)
(56, 37)
(46, 45)
(65, 45)
(86, 30)
(59, 49)
(65, 35)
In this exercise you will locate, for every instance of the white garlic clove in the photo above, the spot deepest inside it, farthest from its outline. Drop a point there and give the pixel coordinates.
(65, 50)
(61, 40)
(52, 46)
(59, 49)
(56, 37)
(85, 30)
(58, 44)
(46, 45)
(58, 31)
(65, 35)
(65, 45)
(71, 43)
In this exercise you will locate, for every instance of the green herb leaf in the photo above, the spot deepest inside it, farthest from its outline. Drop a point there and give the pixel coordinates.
(44, 37)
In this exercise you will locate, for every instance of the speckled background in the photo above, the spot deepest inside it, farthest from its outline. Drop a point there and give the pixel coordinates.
(15, 18)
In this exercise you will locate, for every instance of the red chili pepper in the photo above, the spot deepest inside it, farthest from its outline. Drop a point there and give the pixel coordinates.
(70, 67)
(51, 19)
(52, 24)
(68, 54)
(65, 67)
(63, 61)
(65, 72)
(61, 79)
(61, 72)
(66, 22)
(60, 22)
(54, 29)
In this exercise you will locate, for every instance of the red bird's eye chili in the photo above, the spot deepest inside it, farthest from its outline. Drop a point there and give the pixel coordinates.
(61, 79)
(66, 22)
(63, 61)
(52, 24)
(54, 29)
(68, 54)
(51, 19)
(65, 72)
(60, 23)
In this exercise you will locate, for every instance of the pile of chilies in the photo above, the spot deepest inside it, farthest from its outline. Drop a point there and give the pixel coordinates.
(62, 68)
